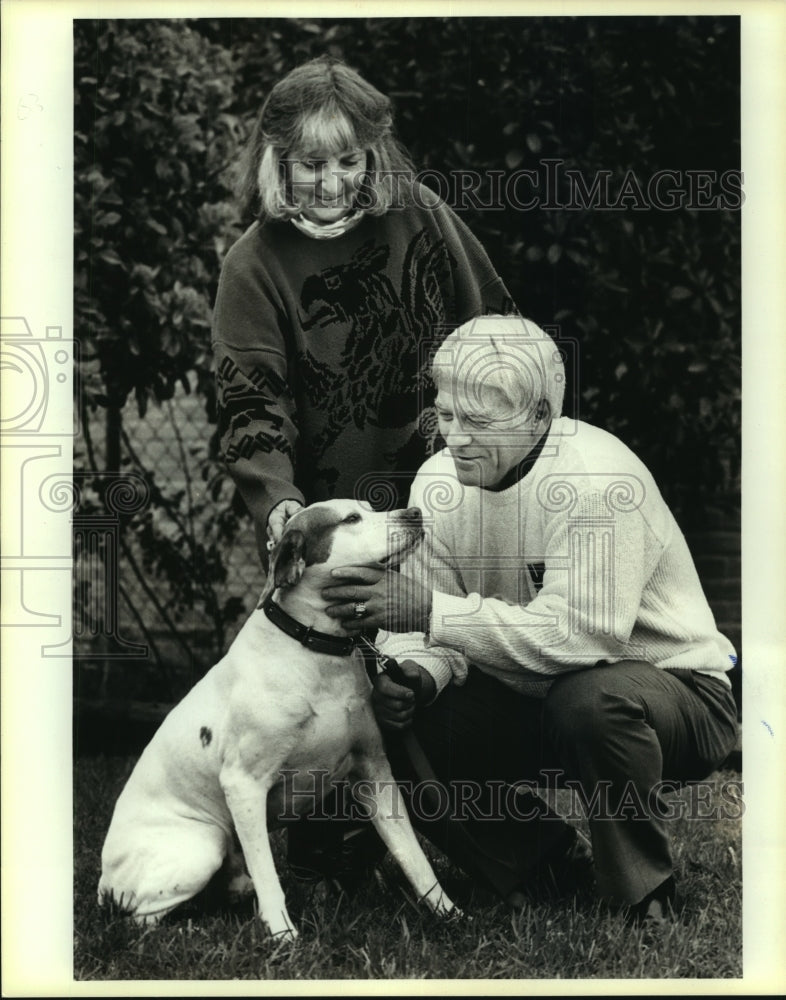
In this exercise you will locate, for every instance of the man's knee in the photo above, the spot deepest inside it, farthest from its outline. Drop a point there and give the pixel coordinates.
(574, 707)
(586, 706)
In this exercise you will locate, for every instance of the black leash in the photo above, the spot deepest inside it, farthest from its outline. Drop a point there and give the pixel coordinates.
(420, 763)
(417, 757)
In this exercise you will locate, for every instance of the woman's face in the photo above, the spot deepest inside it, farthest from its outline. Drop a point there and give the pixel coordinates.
(324, 184)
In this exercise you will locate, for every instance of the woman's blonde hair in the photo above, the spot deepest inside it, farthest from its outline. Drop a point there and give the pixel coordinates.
(322, 105)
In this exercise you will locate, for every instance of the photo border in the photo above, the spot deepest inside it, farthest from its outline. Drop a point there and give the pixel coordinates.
(37, 286)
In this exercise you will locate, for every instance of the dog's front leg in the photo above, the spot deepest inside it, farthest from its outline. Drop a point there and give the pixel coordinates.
(378, 790)
(246, 797)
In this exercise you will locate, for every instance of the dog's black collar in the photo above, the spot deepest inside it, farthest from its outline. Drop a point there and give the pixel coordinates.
(319, 642)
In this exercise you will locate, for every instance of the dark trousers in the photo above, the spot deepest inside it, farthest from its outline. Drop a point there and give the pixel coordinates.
(612, 732)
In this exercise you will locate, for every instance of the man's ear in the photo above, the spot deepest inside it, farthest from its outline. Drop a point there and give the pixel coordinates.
(543, 411)
(287, 562)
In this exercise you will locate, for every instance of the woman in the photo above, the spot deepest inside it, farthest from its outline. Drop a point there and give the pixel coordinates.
(331, 303)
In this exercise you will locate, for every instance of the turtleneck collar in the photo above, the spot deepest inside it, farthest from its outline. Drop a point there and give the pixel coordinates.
(329, 231)
(519, 471)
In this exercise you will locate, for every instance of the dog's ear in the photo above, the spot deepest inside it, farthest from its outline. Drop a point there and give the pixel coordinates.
(288, 560)
(287, 563)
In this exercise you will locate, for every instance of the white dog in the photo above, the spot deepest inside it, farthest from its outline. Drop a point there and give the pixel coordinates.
(290, 697)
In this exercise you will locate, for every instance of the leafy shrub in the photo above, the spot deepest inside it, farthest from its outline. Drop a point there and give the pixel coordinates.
(154, 137)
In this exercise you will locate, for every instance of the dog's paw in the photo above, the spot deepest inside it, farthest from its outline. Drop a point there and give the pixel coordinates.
(441, 904)
(281, 928)
(451, 912)
(288, 935)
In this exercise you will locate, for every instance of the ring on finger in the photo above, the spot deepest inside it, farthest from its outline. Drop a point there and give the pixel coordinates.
(360, 609)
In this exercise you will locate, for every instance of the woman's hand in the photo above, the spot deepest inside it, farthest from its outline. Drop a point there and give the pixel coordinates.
(278, 517)
(372, 597)
(393, 704)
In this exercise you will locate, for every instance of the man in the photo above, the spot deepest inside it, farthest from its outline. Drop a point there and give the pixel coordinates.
(554, 623)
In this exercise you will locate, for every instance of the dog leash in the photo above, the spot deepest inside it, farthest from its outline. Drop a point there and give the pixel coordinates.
(421, 765)
(418, 759)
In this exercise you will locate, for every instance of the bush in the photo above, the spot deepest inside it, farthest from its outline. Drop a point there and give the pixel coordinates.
(155, 137)
(153, 215)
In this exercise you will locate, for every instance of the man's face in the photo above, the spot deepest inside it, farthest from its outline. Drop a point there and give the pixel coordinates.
(486, 437)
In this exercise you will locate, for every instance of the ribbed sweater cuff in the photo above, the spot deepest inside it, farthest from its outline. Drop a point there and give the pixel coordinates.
(443, 632)
(440, 671)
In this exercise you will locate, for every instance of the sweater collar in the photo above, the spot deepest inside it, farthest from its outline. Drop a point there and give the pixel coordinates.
(519, 471)
(329, 231)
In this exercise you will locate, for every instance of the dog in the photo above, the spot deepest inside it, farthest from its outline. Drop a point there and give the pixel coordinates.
(290, 700)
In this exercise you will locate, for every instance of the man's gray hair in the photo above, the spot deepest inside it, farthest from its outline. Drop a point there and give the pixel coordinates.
(508, 353)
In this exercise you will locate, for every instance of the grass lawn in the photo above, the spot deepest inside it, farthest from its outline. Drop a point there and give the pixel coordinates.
(381, 933)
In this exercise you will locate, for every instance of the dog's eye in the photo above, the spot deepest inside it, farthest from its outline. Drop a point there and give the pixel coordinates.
(352, 519)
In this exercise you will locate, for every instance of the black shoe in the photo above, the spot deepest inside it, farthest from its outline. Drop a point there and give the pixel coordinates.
(657, 909)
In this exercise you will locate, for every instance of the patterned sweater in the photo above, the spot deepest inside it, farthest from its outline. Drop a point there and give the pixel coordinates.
(321, 349)
(579, 561)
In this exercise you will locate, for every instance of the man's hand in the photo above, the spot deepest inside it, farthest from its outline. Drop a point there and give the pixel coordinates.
(387, 600)
(394, 705)
(278, 517)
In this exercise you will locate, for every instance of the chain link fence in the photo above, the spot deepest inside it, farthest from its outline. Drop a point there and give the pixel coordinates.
(165, 568)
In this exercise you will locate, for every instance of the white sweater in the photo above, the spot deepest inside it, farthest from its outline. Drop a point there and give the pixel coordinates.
(578, 562)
